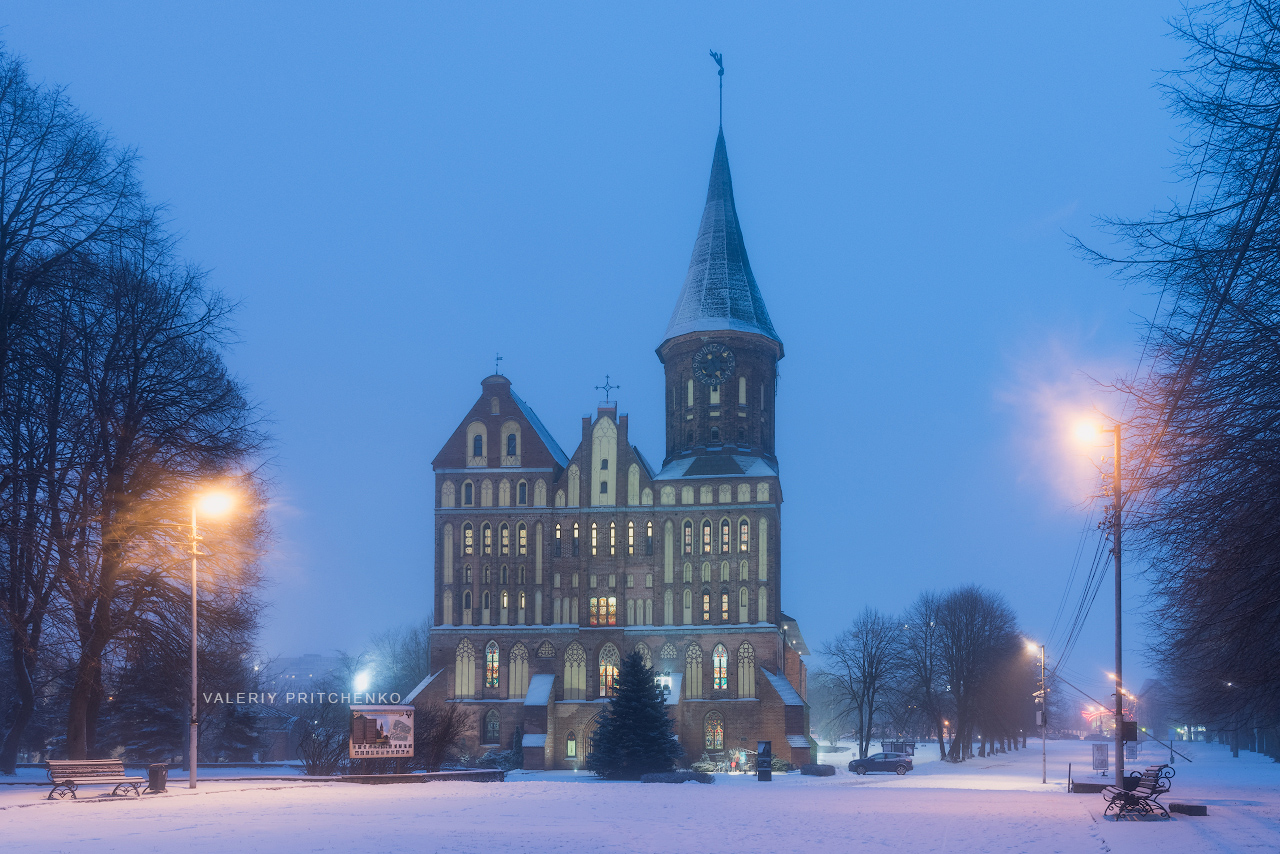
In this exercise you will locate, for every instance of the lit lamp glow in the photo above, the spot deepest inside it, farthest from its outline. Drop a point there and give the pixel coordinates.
(207, 504)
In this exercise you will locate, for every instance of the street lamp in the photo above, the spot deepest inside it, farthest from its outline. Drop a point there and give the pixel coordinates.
(1043, 712)
(1083, 431)
(208, 504)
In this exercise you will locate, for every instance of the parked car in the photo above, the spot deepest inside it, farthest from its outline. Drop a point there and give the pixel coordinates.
(899, 763)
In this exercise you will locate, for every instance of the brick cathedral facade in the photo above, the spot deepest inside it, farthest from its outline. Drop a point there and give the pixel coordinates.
(551, 566)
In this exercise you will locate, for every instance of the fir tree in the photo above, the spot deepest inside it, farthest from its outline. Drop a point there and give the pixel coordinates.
(635, 735)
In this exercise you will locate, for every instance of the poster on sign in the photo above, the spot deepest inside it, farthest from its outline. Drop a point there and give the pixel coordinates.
(1101, 757)
(381, 731)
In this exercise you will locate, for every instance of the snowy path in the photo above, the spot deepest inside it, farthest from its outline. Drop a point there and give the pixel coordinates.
(996, 805)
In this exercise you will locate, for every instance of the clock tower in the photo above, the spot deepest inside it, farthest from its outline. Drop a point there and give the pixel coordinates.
(720, 351)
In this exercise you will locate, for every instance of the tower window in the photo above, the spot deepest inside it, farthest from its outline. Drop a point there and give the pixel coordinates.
(724, 607)
(555, 548)
(613, 538)
(688, 538)
(724, 536)
(604, 465)
(522, 493)
(511, 444)
(706, 538)
(604, 487)
(477, 446)
(631, 538)
(467, 494)
(486, 538)
(648, 538)
(715, 435)
(706, 607)
(574, 543)
(744, 536)
(594, 537)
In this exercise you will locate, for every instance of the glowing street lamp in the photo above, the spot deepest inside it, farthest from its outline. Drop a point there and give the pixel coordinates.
(1043, 712)
(209, 504)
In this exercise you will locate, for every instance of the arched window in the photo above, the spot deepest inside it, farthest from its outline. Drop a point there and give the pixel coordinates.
(571, 746)
(484, 600)
(502, 575)
(477, 446)
(688, 538)
(468, 494)
(464, 670)
(504, 599)
(609, 660)
(574, 542)
(706, 606)
(520, 575)
(522, 494)
(744, 599)
(631, 538)
(604, 465)
(693, 672)
(645, 654)
(724, 606)
(762, 613)
(724, 570)
(746, 671)
(595, 537)
(603, 610)
(744, 536)
(492, 727)
(706, 571)
(522, 538)
(688, 572)
(743, 571)
(719, 668)
(447, 601)
(486, 539)
(575, 672)
(648, 538)
(504, 539)
(613, 538)
(715, 435)
(511, 445)
(706, 537)
(688, 606)
(522, 599)
(555, 543)
(491, 665)
(487, 576)
(518, 671)
(724, 536)
(466, 600)
(714, 728)
(466, 575)
(468, 538)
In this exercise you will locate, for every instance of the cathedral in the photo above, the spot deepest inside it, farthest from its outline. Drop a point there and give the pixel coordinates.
(550, 566)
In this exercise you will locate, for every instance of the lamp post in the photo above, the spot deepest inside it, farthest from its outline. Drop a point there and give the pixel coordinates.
(212, 504)
(1043, 714)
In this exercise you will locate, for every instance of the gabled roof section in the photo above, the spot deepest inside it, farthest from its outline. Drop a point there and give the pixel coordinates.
(784, 689)
(720, 293)
(545, 435)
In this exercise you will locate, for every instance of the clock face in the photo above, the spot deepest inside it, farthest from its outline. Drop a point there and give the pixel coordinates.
(713, 364)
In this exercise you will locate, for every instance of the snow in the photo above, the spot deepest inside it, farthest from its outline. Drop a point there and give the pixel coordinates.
(422, 686)
(986, 805)
(533, 740)
(539, 691)
(784, 689)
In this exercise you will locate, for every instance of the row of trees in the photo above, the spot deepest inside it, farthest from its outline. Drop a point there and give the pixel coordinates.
(115, 409)
(952, 663)
(1206, 414)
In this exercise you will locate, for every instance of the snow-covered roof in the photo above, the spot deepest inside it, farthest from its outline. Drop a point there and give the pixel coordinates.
(648, 469)
(534, 740)
(784, 689)
(543, 433)
(720, 292)
(539, 693)
(673, 698)
(717, 465)
(421, 686)
(793, 740)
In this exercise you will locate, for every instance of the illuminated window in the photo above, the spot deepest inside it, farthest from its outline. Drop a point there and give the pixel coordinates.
(486, 539)
(706, 538)
(522, 599)
(505, 539)
(511, 445)
(504, 593)
(609, 660)
(648, 538)
(468, 538)
(492, 727)
(719, 667)
(522, 539)
(522, 493)
(491, 665)
(556, 548)
(477, 446)
(468, 494)
(571, 746)
(631, 538)
(613, 538)
(574, 543)
(593, 618)
(724, 607)
(715, 731)
(706, 607)
(688, 538)
(594, 537)
(602, 610)
(724, 536)
(466, 575)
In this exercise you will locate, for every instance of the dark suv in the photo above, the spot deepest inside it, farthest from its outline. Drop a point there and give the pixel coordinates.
(899, 763)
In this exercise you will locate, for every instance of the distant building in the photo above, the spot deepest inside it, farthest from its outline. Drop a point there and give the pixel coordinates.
(551, 566)
(299, 675)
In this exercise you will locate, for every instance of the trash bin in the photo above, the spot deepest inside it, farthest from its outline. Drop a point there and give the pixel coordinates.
(157, 776)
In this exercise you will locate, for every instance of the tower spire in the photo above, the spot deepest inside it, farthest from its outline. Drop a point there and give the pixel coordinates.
(719, 58)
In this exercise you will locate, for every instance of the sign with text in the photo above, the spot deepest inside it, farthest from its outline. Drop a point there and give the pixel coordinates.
(381, 731)
(1101, 757)
(764, 761)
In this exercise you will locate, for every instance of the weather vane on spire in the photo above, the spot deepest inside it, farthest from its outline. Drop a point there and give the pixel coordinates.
(719, 58)
(497, 363)
(607, 387)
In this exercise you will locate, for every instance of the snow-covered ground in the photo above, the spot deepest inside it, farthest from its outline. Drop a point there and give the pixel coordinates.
(992, 805)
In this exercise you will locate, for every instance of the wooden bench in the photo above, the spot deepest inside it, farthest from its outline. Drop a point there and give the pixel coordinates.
(1140, 799)
(67, 775)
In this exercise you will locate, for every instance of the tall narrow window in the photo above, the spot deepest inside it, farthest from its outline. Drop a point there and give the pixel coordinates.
(466, 575)
(468, 494)
(593, 617)
(609, 661)
(466, 599)
(575, 671)
(574, 543)
(477, 446)
(486, 538)
(714, 731)
(504, 539)
(491, 665)
(724, 607)
(464, 666)
(555, 544)
(744, 536)
(715, 435)
(746, 670)
(688, 538)
(502, 578)
(522, 494)
(571, 746)
(706, 538)
(724, 536)
(613, 538)
(719, 668)
(631, 538)
(468, 538)
(522, 539)
(511, 444)
(594, 537)
(604, 465)
(693, 672)
(648, 538)
(604, 487)
(706, 606)
(492, 727)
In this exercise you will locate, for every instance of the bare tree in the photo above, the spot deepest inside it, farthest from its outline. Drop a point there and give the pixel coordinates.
(922, 664)
(977, 631)
(862, 661)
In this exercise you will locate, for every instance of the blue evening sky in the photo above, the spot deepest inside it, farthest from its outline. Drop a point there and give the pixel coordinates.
(395, 191)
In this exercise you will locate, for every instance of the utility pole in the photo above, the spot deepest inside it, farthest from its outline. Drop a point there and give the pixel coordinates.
(195, 719)
(1115, 551)
(1044, 721)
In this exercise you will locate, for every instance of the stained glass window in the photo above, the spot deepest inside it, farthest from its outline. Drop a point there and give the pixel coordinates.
(491, 665)
(609, 660)
(706, 538)
(719, 667)
(724, 536)
(715, 731)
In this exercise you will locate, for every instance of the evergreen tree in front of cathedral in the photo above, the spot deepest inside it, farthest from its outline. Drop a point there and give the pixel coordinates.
(635, 735)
